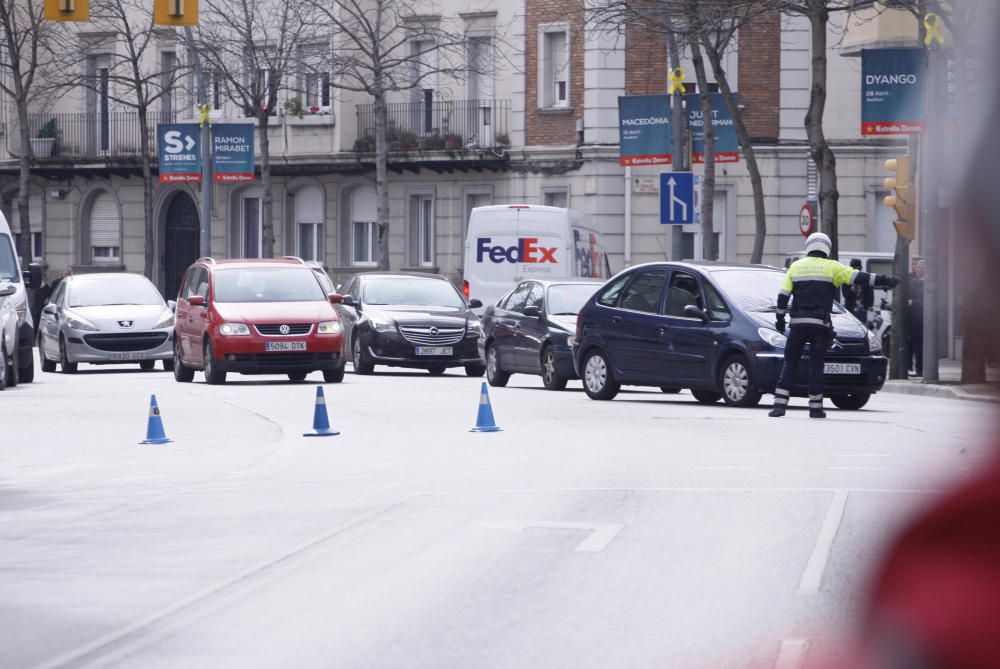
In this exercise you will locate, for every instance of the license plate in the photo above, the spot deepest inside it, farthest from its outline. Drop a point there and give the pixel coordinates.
(129, 355)
(285, 346)
(842, 368)
(434, 350)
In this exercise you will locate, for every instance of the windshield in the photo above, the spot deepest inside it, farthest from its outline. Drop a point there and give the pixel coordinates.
(566, 299)
(412, 291)
(118, 290)
(755, 289)
(8, 261)
(267, 284)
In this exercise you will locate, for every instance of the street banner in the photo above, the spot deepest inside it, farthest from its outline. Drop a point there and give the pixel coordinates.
(232, 152)
(644, 130)
(892, 91)
(727, 143)
(178, 152)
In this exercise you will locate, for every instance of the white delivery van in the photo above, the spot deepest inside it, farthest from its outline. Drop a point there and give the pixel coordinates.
(18, 355)
(511, 242)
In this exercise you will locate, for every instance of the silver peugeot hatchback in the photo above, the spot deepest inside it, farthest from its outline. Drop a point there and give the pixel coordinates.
(106, 319)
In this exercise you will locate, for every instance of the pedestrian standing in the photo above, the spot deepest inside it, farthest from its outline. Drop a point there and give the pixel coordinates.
(812, 284)
(915, 318)
(859, 300)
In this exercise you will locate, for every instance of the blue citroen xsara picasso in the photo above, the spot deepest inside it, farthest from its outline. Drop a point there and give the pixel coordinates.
(709, 327)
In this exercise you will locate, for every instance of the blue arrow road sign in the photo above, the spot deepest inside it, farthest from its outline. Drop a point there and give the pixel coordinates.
(676, 198)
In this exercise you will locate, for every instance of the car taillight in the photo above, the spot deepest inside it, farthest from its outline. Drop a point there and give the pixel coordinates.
(465, 289)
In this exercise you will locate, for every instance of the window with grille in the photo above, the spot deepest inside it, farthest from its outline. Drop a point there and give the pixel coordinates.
(364, 229)
(105, 229)
(554, 67)
(309, 223)
(421, 214)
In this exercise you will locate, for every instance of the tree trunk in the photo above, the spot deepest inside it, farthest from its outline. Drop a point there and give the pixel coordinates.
(381, 182)
(147, 193)
(819, 149)
(709, 249)
(24, 181)
(267, 201)
(746, 146)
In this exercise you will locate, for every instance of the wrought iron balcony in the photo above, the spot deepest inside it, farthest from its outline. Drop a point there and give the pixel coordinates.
(91, 136)
(438, 125)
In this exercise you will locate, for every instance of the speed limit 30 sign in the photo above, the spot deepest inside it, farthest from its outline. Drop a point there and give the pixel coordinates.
(807, 219)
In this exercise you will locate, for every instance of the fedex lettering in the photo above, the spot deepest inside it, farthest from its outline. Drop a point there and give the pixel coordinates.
(527, 251)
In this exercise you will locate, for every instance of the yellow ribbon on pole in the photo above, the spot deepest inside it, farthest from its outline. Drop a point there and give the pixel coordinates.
(932, 24)
(676, 81)
(203, 113)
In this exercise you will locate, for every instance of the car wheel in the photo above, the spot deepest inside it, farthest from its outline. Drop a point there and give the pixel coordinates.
(550, 377)
(25, 370)
(362, 364)
(669, 390)
(213, 375)
(12, 370)
(706, 396)
(67, 366)
(297, 376)
(851, 402)
(494, 374)
(437, 370)
(475, 370)
(182, 373)
(736, 382)
(147, 365)
(334, 375)
(4, 366)
(168, 365)
(598, 380)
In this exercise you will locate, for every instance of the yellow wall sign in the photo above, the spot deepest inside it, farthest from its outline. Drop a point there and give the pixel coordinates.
(67, 10)
(175, 12)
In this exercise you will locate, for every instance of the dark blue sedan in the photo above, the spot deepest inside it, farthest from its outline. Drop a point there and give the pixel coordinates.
(709, 327)
(527, 331)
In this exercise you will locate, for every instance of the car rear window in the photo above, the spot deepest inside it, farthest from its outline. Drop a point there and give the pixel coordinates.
(270, 284)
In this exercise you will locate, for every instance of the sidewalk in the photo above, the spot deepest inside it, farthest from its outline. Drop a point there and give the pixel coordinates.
(949, 384)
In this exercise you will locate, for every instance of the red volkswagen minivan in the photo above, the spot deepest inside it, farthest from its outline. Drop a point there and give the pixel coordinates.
(256, 316)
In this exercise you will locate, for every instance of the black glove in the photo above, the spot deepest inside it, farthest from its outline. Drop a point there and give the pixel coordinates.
(891, 281)
(779, 324)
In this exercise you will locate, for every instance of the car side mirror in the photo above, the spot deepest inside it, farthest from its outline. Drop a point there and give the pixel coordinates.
(475, 303)
(335, 298)
(8, 289)
(172, 306)
(196, 301)
(692, 311)
(532, 311)
(50, 309)
(348, 300)
(33, 277)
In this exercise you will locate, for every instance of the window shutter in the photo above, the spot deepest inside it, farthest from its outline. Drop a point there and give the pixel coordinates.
(105, 226)
(34, 213)
(309, 206)
(363, 205)
(560, 56)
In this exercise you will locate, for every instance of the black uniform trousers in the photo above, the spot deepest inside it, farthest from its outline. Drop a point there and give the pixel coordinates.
(818, 338)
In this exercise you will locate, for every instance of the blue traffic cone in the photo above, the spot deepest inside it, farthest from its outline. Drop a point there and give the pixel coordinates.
(484, 421)
(154, 426)
(321, 423)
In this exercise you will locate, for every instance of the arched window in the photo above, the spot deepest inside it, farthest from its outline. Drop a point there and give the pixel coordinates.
(105, 227)
(309, 223)
(364, 229)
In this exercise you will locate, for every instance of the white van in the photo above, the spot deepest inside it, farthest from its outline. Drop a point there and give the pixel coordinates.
(512, 242)
(18, 334)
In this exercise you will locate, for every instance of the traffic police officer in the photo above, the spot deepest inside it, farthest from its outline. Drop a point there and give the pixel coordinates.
(814, 282)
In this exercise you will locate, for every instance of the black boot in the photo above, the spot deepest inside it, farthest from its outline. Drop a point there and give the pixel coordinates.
(817, 413)
(777, 412)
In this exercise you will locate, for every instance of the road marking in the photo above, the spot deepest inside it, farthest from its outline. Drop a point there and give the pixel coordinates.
(862, 455)
(858, 469)
(724, 468)
(601, 534)
(813, 575)
(791, 654)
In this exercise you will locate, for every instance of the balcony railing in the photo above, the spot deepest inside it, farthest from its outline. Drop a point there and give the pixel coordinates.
(92, 136)
(449, 125)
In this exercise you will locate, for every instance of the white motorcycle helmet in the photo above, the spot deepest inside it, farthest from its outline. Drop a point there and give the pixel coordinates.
(818, 241)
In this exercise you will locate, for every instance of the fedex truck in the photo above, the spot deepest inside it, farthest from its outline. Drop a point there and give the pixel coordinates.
(509, 243)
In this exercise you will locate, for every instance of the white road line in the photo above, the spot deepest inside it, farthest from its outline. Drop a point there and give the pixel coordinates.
(845, 468)
(862, 455)
(813, 575)
(601, 534)
(725, 468)
(791, 654)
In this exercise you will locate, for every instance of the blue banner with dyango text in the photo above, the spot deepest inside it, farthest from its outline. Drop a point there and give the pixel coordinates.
(893, 82)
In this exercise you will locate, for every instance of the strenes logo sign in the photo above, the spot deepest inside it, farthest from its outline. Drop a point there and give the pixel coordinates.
(527, 250)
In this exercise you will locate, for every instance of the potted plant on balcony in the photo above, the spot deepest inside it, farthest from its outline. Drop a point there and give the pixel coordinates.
(431, 141)
(452, 141)
(502, 140)
(43, 144)
(364, 145)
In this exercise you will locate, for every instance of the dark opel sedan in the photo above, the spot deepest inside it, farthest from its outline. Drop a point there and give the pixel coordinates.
(409, 320)
(710, 327)
(528, 329)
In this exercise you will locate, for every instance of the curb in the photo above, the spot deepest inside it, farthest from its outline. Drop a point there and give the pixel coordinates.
(937, 390)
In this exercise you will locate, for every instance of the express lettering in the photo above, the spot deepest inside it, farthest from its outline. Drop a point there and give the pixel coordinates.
(526, 250)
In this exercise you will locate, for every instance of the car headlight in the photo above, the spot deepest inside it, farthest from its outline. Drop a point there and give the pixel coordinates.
(78, 322)
(329, 328)
(381, 325)
(166, 320)
(874, 343)
(473, 328)
(772, 337)
(232, 329)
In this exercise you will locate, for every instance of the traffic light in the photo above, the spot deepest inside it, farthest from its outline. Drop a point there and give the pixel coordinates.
(175, 12)
(903, 197)
(67, 10)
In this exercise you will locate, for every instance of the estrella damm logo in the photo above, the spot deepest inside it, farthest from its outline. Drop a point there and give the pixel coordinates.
(527, 250)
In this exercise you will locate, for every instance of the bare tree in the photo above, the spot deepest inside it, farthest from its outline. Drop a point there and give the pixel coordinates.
(383, 47)
(137, 79)
(253, 46)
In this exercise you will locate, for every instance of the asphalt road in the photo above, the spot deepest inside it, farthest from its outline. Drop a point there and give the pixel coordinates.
(649, 531)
